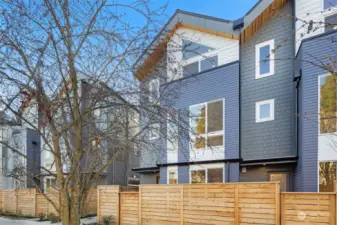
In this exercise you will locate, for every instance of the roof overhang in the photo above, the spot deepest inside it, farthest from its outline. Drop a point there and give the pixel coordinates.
(181, 19)
(258, 16)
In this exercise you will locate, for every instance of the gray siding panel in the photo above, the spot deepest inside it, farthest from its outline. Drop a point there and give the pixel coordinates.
(270, 139)
(234, 172)
(163, 175)
(183, 174)
(314, 51)
(219, 83)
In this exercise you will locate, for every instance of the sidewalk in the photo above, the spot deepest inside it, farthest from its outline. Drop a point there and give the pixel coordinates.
(6, 221)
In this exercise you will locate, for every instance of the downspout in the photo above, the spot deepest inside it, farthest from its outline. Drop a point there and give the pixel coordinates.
(298, 82)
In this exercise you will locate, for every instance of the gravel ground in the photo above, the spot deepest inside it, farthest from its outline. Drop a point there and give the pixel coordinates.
(6, 221)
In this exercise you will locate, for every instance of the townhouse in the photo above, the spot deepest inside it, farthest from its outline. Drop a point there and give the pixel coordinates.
(260, 105)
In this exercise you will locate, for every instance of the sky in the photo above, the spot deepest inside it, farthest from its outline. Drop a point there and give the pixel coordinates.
(225, 9)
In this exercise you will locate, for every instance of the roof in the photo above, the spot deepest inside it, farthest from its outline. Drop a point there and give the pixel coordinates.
(203, 23)
(242, 28)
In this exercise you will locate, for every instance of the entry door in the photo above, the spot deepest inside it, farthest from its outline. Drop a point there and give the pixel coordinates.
(283, 177)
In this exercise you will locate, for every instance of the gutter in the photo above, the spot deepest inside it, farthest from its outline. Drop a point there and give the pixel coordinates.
(200, 162)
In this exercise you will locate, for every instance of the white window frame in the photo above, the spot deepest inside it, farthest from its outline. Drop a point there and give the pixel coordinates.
(206, 167)
(151, 91)
(200, 58)
(206, 135)
(172, 169)
(271, 43)
(272, 110)
(152, 127)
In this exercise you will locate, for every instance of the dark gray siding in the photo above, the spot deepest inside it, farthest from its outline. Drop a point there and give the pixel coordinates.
(232, 172)
(270, 139)
(313, 51)
(163, 175)
(34, 154)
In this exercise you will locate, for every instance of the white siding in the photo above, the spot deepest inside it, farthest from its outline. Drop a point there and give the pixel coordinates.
(307, 10)
(327, 144)
(228, 49)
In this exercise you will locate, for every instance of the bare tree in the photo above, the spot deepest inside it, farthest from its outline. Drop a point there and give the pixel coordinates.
(66, 74)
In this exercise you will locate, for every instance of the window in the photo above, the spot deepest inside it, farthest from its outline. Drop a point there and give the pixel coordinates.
(207, 124)
(172, 175)
(154, 131)
(327, 104)
(264, 111)
(154, 90)
(331, 23)
(264, 64)
(192, 49)
(327, 176)
(207, 174)
(205, 63)
(329, 3)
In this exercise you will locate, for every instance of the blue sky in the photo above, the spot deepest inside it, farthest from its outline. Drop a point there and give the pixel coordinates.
(225, 9)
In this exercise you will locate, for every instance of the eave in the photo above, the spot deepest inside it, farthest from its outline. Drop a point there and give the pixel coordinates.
(261, 20)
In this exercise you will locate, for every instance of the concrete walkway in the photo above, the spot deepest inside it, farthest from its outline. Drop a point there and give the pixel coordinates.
(6, 221)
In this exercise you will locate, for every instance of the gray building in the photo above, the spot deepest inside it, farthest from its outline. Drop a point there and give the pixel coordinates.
(259, 100)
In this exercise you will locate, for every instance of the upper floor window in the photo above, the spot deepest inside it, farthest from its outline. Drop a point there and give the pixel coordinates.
(331, 23)
(264, 65)
(192, 49)
(327, 104)
(264, 111)
(202, 64)
(154, 90)
(329, 3)
(207, 124)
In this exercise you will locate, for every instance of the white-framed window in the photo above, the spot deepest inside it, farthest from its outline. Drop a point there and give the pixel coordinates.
(207, 173)
(327, 175)
(264, 59)
(154, 90)
(154, 131)
(172, 175)
(207, 124)
(327, 104)
(200, 64)
(331, 22)
(264, 111)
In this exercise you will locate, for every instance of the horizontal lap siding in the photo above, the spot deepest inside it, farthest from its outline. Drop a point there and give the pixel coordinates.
(308, 208)
(129, 208)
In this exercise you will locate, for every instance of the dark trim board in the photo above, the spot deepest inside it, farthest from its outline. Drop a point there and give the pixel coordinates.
(200, 162)
(284, 160)
(146, 169)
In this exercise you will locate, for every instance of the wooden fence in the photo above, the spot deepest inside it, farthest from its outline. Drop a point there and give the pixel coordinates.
(29, 202)
(308, 208)
(234, 203)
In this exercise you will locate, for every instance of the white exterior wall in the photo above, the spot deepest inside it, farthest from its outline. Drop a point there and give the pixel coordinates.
(327, 147)
(226, 49)
(307, 10)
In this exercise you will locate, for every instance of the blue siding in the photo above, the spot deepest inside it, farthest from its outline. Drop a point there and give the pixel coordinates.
(234, 172)
(163, 175)
(183, 175)
(313, 50)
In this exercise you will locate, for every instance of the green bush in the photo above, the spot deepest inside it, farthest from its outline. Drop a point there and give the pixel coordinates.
(42, 216)
(107, 220)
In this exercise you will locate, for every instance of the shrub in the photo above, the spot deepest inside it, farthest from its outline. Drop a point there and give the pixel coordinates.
(107, 220)
(53, 218)
(41, 216)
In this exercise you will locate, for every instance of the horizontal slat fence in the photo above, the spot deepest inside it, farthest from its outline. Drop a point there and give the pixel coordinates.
(29, 202)
(192, 204)
(308, 208)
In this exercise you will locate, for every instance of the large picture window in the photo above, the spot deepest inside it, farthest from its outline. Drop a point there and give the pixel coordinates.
(207, 174)
(327, 104)
(327, 176)
(207, 124)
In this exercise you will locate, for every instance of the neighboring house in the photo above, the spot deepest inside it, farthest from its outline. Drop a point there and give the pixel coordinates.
(16, 171)
(249, 92)
(119, 172)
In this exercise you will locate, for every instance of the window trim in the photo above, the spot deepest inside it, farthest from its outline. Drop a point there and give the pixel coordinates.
(318, 168)
(198, 59)
(272, 110)
(151, 138)
(271, 43)
(217, 133)
(206, 167)
(172, 169)
(329, 9)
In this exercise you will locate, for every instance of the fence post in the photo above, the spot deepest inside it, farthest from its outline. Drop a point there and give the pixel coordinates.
(278, 204)
(236, 205)
(98, 204)
(119, 205)
(283, 214)
(332, 198)
(181, 204)
(140, 205)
